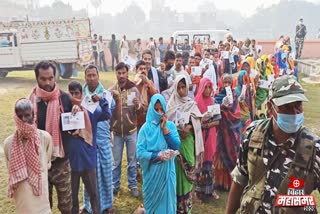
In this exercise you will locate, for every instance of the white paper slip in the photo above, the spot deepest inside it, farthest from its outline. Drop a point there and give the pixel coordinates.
(131, 96)
(130, 61)
(225, 54)
(72, 122)
(264, 84)
(235, 50)
(228, 91)
(88, 104)
(288, 71)
(281, 71)
(229, 94)
(271, 77)
(244, 88)
(182, 118)
(169, 153)
(108, 96)
(259, 48)
(292, 56)
(208, 61)
(125, 58)
(214, 109)
(253, 73)
(196, 70)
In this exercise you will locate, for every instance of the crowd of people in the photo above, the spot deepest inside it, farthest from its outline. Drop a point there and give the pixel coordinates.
(120, 49)
(194, 125)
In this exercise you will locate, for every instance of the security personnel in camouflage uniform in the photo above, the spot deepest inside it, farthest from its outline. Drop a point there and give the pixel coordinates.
(274, 149)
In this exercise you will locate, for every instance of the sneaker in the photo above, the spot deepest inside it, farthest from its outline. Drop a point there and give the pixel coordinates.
(135, 192)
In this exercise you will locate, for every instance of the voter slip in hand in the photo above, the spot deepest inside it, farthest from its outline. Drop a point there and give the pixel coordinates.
(130, 97)
(169, 153)
(229, 94)
(72, 122)
(88, 104)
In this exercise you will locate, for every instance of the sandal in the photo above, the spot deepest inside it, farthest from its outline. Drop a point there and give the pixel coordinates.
(215, 195)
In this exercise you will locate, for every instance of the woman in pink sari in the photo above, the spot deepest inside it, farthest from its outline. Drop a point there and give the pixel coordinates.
(204, 182)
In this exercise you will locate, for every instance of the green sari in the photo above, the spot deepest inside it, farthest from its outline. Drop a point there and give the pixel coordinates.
(184, 185)
(191, 148)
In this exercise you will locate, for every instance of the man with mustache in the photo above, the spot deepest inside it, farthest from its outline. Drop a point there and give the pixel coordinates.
(159, 81)
(124, 127)
(146, 89)
(93, 88)
(83, 150)
(49, 102)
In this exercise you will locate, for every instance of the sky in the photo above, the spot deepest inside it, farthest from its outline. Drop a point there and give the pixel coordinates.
(245, 7)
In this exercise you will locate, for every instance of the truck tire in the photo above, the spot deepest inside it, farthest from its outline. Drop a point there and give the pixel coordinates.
(3, 73)
(67, 70)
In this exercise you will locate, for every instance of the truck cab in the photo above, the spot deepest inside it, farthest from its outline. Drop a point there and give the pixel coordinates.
(67, 42)
(9, 51)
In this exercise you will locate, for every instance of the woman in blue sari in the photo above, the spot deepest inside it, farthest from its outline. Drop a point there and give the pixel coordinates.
(155, 137)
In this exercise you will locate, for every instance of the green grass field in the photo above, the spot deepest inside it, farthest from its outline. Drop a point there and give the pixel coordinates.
(19, 84)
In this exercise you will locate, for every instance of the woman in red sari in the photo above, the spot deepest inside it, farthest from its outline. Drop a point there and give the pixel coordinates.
(228, 135)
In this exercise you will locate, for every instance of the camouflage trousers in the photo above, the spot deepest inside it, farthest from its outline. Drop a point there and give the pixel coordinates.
(299, 45)
(59, 176)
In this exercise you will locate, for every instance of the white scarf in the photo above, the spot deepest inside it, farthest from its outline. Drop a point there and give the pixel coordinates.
(187, 105)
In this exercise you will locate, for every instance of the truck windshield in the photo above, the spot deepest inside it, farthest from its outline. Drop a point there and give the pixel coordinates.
(204, 38)
(6, 39)
(181, 40)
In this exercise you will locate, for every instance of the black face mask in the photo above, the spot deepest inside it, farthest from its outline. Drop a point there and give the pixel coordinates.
(168, 67)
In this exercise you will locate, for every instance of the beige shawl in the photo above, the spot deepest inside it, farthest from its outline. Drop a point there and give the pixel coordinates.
(187, 105)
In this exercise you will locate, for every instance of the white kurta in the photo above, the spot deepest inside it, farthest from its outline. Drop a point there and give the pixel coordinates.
(124, 49)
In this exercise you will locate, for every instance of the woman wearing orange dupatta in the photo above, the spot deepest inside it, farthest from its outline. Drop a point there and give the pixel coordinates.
(204, 183)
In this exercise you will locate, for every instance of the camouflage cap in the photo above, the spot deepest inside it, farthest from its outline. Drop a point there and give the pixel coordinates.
(286, 89)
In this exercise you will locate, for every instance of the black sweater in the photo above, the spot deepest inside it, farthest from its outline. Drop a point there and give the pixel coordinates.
(42, 114)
